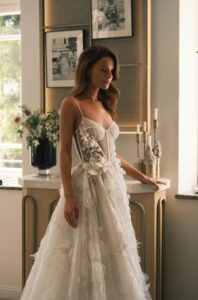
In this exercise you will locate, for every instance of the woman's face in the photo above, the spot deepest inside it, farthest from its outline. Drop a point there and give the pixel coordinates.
(101, 73)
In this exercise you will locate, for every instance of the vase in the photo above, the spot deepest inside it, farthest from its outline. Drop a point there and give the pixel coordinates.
(43, 156)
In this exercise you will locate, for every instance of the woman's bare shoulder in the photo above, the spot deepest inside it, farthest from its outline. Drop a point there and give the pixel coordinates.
(68, 104)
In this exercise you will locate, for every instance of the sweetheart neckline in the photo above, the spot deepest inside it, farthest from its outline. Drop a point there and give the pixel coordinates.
(105, 129)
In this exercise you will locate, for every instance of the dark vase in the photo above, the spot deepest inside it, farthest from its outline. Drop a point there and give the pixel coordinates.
(43, 156)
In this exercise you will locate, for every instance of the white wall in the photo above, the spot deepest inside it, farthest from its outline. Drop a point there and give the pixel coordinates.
(31, 64)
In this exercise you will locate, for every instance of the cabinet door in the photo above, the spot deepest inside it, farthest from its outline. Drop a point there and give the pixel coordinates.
(38, 205)
(147, 216)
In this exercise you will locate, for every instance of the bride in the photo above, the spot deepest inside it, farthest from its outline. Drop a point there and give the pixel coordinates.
(89, 250)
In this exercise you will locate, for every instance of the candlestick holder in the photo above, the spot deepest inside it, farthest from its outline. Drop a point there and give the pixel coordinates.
(138, 144)
(155, 127)
(156, 149)
(144, 140)
(139, 163)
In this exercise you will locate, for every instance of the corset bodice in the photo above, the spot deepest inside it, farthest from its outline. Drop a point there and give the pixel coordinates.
(91, 134)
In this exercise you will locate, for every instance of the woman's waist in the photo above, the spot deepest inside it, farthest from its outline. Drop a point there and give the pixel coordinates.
(97, 167)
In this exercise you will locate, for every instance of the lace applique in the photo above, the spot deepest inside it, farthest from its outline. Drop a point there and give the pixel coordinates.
(94, 160)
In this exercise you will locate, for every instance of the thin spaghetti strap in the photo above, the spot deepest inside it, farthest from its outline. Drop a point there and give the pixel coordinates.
(76, 102)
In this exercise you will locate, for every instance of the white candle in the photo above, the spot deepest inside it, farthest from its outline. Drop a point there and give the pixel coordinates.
(156, 113)
(149, 140)
(144, 127)
(138, 128)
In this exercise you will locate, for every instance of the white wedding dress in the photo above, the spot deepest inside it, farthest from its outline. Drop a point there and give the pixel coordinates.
(98, 260)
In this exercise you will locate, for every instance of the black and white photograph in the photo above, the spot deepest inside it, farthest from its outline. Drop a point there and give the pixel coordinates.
(111, 18)
(63, 50)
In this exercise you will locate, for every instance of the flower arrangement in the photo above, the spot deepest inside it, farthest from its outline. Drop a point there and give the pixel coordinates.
(38, 126)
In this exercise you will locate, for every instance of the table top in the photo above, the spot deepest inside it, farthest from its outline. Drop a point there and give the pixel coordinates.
(53, 181)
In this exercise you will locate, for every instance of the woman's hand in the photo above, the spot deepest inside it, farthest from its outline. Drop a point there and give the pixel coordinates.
(71, 211)
(153, 181)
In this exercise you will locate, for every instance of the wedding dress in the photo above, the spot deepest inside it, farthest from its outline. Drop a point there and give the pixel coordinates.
(98, 260)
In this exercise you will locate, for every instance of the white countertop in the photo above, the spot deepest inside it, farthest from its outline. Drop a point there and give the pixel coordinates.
(53, 181)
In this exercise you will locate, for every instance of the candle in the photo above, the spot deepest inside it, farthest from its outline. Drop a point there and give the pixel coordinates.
(144, 127)
(149, 140)
(156, 113)
(138, 128)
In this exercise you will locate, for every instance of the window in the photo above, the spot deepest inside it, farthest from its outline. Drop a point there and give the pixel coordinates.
(10, 94)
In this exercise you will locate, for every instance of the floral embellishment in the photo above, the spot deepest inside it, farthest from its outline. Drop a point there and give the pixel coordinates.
(94, 161)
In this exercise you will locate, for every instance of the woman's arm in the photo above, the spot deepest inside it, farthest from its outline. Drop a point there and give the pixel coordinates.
(67, 121)
(133, 172)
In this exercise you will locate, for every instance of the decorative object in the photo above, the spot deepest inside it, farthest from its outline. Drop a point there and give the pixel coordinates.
(42, 135)
(144, 137)
(150, 164)
(139, 163)
(138, 140)
(62, 49)
(157, 147)
(150, 160)
(111, 18)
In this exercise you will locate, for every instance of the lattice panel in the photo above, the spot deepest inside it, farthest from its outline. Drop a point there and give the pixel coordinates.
(130, 107)
(65, 12)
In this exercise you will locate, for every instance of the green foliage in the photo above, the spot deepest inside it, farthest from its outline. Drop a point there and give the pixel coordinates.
(37, 125)
(9, 24)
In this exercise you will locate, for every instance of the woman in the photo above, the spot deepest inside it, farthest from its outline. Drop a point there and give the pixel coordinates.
(89, 250)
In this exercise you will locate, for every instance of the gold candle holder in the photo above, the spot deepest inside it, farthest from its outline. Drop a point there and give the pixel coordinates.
(155, 127)
(138, 144)
(144, 140)
(156, 149)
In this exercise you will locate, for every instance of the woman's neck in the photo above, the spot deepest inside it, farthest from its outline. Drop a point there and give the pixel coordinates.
(91, 94)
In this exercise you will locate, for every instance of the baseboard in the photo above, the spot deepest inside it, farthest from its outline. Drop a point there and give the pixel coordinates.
(11, 293)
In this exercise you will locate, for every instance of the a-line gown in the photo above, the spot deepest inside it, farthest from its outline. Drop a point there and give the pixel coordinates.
(99, 259)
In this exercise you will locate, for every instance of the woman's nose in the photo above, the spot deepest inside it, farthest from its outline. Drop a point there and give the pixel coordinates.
(109, 75)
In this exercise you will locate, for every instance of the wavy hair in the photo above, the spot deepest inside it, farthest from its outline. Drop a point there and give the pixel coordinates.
(87, 59)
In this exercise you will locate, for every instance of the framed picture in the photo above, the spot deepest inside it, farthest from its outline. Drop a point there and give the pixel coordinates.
(62, 49)
(111, 18)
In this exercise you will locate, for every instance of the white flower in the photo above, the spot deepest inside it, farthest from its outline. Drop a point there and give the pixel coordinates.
(94, 160)
(36, 143)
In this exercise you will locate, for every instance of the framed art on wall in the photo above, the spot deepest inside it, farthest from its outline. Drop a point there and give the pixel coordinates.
(111, 18)
(62, 50)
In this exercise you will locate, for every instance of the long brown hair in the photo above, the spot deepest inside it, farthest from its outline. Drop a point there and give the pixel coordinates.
(87, 59)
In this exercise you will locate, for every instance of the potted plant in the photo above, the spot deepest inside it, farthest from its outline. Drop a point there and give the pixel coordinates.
(42, 135)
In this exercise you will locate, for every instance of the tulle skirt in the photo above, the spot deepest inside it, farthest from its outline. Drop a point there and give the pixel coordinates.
(99, 259)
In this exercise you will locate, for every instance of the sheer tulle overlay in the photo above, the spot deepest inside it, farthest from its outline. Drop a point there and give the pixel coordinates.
(98, 260)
